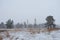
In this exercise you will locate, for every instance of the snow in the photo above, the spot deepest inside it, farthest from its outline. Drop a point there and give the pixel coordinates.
(22, 35)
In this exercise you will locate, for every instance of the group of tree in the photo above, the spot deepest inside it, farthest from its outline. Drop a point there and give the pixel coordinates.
(49, 23)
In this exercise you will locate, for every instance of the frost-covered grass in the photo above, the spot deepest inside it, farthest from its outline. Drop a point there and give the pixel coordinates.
(25, 35)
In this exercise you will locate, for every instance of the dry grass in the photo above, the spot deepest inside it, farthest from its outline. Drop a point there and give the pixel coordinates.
(1, 37)
(31, 30)
(37, 30)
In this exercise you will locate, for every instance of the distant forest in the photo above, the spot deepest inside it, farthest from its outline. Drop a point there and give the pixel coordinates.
(10, 24)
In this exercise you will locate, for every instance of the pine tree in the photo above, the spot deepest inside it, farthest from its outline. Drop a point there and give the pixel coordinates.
(50, 22)
(9, 23)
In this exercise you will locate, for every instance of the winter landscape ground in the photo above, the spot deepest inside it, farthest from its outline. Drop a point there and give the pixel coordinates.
(20, 34)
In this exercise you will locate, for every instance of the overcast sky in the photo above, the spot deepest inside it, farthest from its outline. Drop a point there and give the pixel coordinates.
(21, 10)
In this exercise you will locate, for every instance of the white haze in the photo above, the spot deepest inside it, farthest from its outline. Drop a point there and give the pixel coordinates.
(21, 10)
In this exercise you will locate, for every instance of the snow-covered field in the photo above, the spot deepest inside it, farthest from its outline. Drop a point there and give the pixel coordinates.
(23, 35)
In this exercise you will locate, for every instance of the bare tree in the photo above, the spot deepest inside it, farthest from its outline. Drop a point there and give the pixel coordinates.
(35, 25)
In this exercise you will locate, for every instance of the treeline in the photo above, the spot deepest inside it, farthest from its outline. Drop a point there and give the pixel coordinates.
(10, 24)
